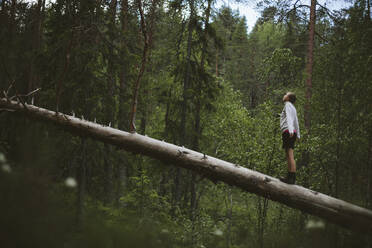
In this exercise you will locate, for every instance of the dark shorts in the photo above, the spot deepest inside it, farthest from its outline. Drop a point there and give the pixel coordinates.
(288, 141)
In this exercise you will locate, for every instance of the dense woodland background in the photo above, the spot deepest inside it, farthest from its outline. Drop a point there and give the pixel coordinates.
(202, 82)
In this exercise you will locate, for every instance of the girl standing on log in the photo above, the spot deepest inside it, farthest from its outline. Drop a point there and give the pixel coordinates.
(290, 131)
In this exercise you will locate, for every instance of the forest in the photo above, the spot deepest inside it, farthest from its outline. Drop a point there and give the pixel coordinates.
(190, 74)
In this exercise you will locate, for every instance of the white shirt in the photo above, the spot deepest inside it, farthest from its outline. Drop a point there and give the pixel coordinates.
(288, 119)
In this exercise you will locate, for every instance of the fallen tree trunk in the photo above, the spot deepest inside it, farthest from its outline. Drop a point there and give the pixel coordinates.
(315, 203)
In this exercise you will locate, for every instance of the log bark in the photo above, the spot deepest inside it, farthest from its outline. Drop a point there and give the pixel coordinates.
(331, 209)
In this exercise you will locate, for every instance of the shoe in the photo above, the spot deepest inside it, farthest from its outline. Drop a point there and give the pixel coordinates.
(290, 179)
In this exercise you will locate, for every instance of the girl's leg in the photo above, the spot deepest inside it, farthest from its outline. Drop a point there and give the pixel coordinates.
(290, 160)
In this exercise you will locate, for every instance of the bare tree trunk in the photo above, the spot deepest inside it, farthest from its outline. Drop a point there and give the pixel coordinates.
(263, 203)
(136, 89)
(309, 66)
(305, 157)
(177, 187)
(177, 172)
(123, 77)
(262, 206)
(253, 87)
(199, 86)
(206, 27)
(197, 131)
(193, 207)
(110, 94)
(110, 111)
(140, 163)
(36, 44)
(9, 37)
(164, 173)
(334, 210)
(163, 182)
(147, 31)
(336, 235)
(229, 217)
(187, 76)
(186, 85)
(369, 172)
(108, 176)
(12, 26)
(217, 63)
(122, 168)
(122, 176)
(64, 72)
(145, 113)
(253, 97)
(81, 184)
(338, 145)
(369, 185)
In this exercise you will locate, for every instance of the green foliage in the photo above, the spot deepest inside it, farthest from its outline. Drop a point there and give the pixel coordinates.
(281, 69)
(74, 50)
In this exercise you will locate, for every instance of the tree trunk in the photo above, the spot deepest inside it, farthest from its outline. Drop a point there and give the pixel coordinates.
(217, 63)
(309, 66)
(147, 31)
(193, 206)
(132, 126)
(338, 145)
(262, 206)
(369, 185)
(109, 111)
(177, 187)
(206, 27)
(123, 111)
(110, 94)
(186, 85)
(197, 131)
(12, 26)
(123, 76)
(305, 157)
(81, 175)
(64, 72)
(315, 203)
(36, 44)
(187, 76)
(108, 176)
(177, 173)
(164, 173)
(229, 208)
(369, 171)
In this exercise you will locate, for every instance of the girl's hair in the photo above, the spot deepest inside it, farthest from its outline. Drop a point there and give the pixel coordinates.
(292, 97)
